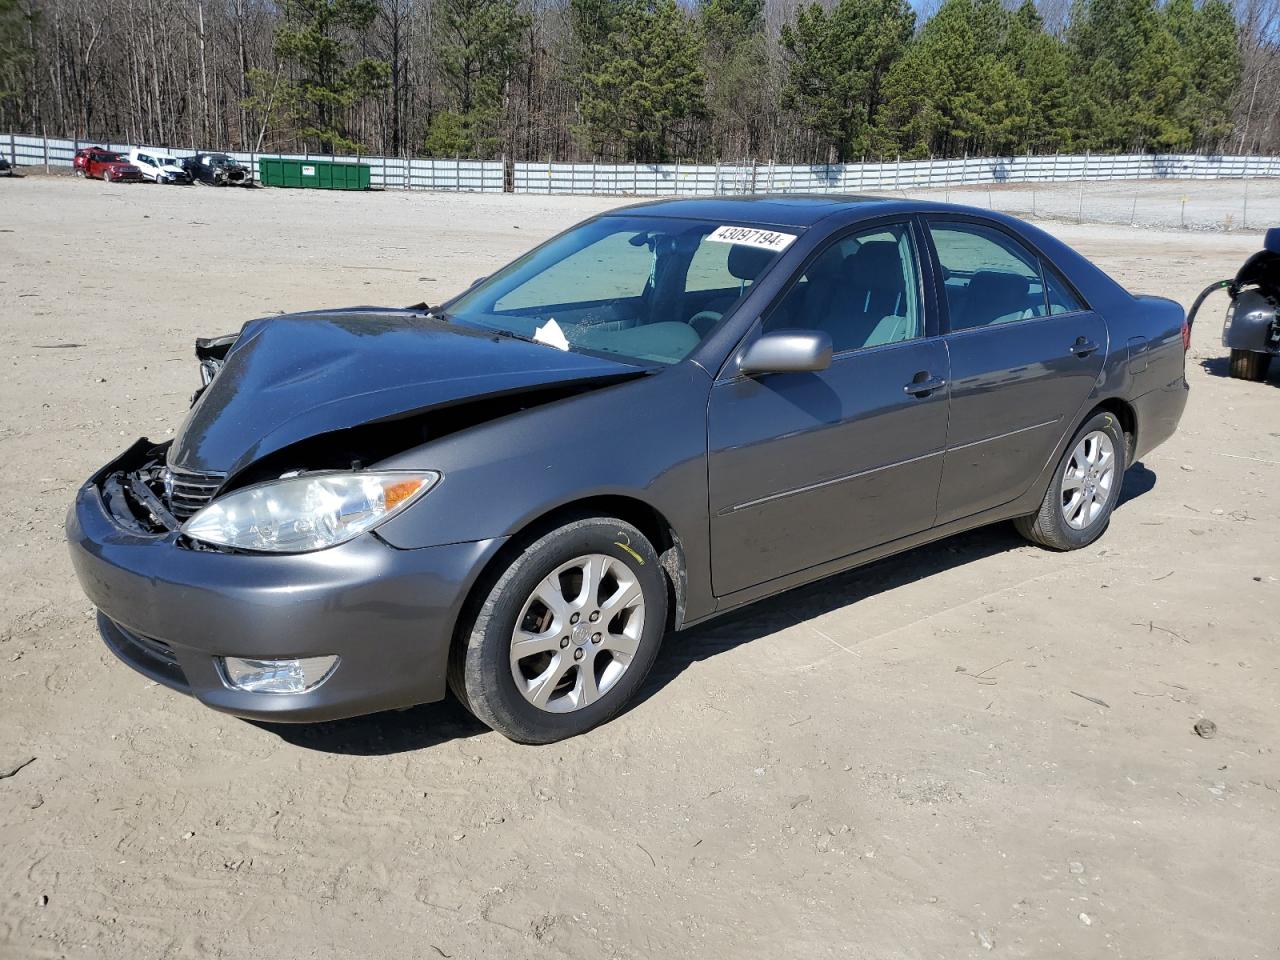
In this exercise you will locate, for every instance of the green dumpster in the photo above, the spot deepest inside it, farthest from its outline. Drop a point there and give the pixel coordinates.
(316, 174)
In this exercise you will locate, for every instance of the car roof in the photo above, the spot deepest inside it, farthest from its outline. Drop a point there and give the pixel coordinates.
(789, 210)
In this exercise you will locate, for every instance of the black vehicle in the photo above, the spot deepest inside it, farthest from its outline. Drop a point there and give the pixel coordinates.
(218, 170)
(1252, 327)
(5, 167)
(662, 414)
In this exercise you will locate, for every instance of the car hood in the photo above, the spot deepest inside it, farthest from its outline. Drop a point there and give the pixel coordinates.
(297, 376)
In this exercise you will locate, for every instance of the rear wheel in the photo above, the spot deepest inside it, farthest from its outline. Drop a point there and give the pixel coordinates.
(1084, 491)
(1249, 365)
(566, 635)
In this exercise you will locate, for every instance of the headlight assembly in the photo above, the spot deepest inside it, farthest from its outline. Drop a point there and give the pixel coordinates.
(308, 512)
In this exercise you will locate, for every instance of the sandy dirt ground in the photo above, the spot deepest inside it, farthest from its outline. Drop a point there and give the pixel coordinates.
(906, 761)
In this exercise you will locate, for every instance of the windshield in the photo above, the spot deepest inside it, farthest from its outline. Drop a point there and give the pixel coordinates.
(645, 288)
(218, 160)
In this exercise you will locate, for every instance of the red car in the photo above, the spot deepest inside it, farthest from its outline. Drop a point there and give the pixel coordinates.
(105, 165)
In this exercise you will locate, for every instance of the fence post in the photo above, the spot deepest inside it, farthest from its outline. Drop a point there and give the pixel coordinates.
(13, 150)
(45, 136)
(1083, 177)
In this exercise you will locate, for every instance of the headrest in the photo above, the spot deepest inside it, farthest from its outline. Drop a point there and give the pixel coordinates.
(994, 294)
(877, 265)
(999, 286)
(747, 263)
(1272, 241)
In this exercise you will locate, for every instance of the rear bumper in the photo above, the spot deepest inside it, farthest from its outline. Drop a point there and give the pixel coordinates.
(1158, 414)
(170, 612)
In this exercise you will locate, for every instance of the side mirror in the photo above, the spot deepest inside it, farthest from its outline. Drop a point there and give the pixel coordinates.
(787, 351)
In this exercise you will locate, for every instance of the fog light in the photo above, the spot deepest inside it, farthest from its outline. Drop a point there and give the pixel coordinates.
(277, 676)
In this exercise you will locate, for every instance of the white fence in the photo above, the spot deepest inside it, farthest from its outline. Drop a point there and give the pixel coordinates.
(713, 179)
(391, 173)
(658, 180)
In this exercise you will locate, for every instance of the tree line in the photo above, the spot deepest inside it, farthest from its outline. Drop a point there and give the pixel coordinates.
(648, 80)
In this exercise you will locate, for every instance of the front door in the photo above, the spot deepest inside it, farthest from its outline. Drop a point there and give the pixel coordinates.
(810, 467)
(1025, 355)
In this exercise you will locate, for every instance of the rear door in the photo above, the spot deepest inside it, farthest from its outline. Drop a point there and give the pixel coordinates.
(1025, 353)
(810, 467)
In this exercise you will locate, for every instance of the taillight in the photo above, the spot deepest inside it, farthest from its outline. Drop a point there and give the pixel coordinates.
(1186, 335)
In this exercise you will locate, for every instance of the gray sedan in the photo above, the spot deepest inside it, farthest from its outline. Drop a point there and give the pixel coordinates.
(660, 415)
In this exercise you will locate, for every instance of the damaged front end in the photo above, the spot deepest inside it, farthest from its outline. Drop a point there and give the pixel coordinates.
(144, 495)
(211, 354)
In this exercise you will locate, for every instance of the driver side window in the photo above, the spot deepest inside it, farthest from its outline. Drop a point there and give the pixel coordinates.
(863, 290)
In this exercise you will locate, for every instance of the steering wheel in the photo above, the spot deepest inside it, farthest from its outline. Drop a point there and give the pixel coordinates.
(704, 320)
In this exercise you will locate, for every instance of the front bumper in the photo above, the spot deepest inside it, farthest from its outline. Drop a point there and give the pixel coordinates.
(170, 611)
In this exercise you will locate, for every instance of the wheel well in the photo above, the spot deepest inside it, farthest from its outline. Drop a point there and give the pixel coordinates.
(1128, 422)
(635, 512)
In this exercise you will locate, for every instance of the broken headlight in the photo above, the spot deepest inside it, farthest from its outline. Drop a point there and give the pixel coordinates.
(308, 512)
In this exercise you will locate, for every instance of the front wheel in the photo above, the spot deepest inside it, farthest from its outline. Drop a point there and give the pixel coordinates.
(1084, 491)
(1250, 365)
(566, 635)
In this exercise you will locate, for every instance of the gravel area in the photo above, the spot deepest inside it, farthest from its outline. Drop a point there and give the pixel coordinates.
(975, 749)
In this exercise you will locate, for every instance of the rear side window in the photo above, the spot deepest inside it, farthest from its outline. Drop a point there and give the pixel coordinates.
(989, 277)
(1061, 299)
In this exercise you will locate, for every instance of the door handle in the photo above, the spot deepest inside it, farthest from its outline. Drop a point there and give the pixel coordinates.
(923, 387)
(1083, 347)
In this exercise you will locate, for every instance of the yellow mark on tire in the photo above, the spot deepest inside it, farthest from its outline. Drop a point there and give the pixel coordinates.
(627, 547)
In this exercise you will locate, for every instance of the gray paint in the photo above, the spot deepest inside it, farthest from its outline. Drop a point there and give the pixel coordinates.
(765, 482)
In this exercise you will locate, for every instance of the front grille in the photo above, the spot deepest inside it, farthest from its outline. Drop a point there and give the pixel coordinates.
(187, 491)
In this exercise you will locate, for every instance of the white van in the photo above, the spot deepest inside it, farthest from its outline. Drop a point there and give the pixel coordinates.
(157, 167)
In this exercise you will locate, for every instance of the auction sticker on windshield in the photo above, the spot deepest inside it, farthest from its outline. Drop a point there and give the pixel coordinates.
(752, 237)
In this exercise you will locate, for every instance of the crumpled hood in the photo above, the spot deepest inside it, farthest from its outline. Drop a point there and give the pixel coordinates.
(296, 376)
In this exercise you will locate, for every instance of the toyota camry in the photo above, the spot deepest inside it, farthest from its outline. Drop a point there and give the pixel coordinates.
(660, 415)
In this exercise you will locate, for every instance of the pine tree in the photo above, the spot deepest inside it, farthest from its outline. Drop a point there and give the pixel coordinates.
(956, 90)
(649, 82)
(1039, 61)
(313, 39)
(1209, 38)
(480, 50)
(738, 82)
(838, 62)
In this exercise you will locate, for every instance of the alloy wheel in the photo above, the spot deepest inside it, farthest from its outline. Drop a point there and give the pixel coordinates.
(1087, 480)
(577, 633)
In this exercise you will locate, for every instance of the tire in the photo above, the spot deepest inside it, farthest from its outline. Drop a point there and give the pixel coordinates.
(583, 670)
(1084, 490)
(1250, 365)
